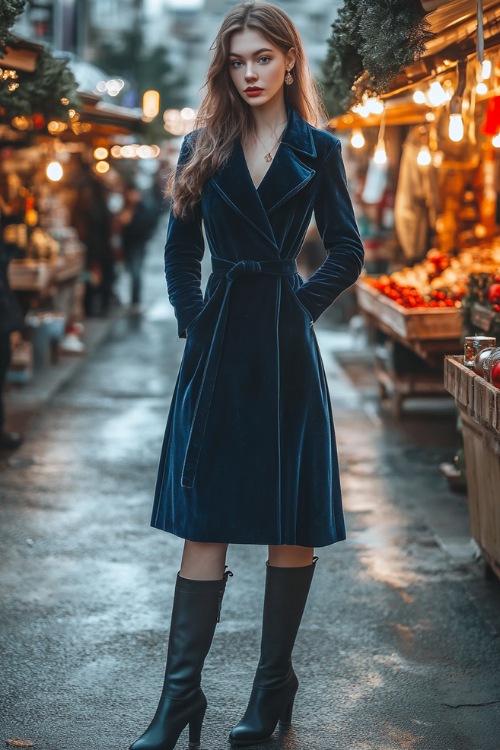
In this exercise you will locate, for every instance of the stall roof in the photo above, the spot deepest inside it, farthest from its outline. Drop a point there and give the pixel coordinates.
(454, 25)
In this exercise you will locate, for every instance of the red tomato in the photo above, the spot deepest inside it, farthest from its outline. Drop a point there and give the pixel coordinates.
(494, 293)
(495, 375)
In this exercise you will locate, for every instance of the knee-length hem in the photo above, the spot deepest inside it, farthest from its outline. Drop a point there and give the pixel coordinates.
(249, 454)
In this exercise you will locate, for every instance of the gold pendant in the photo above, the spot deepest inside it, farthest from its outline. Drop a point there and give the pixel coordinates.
(268, 157)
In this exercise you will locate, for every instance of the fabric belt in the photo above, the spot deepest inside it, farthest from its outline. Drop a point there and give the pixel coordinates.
(231, 271)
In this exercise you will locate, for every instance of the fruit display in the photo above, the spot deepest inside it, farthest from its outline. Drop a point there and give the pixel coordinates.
(441, 280)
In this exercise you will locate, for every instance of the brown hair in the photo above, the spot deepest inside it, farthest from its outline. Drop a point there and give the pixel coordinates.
(223, 116)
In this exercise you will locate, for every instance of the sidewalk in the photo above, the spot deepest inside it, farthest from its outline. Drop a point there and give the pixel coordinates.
(399, 648)
(24, 402)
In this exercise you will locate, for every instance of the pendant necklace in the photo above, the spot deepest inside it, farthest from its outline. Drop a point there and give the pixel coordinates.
(268, 157)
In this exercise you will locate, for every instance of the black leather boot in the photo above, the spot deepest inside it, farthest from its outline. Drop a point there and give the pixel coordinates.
(275, 683)
(195, 613)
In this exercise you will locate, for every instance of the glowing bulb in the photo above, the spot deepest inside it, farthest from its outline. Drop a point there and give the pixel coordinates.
(436, 94)
(496, 141)
(374, 105)
(101, 153)
(380, 156)
(481, 88)
(54, 171)
(357, 139)
(102, 167)
(424, 156)
(419, 97)
(361, 110)
(150, 104)
(486, 69)
(188, 113)
(456, 128)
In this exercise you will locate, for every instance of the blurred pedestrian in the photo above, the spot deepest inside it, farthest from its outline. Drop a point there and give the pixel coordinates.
(249, 453)
(93, 221)
(139, 219)
(11, 319)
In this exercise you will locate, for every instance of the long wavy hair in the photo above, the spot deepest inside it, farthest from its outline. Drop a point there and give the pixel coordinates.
(223, 116)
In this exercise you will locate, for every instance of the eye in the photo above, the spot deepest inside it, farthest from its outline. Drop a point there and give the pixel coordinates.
(236, 63)
(264, 59)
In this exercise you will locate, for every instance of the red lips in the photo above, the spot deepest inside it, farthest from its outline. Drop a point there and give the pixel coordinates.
(253, 91)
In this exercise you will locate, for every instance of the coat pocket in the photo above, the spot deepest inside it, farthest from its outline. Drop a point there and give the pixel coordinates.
(300, 305)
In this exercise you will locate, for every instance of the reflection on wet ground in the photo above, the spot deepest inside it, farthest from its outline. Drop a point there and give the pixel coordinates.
(399, 647)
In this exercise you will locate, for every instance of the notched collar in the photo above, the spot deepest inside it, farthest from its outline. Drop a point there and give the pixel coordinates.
(286, 176)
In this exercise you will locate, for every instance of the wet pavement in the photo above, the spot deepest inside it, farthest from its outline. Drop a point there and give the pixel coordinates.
(399, 646)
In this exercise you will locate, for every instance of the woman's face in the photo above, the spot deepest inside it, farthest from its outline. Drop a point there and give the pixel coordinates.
(257, 67)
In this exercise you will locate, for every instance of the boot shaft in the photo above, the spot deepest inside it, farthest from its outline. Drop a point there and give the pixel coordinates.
(285, 598)
(195, 614)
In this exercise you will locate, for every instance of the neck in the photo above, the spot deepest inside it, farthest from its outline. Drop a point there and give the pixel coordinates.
(269, 117)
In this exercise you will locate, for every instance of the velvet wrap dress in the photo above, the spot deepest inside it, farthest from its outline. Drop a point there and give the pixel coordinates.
(249, 453)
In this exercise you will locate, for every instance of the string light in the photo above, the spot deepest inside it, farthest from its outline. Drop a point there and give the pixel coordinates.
(419, 97)
(357, 138)
(54, 171)
(456, 128)
(496, 141)
(101, 153)
(424, 156)
(481, 88)
(486, 70)
(380, 155)
(361, 110)
(374, 105)
(436, 94)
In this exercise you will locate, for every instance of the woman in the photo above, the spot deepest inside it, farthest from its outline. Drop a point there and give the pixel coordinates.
(249, 453)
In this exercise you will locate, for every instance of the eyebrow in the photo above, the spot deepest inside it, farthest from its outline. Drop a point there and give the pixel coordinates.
(254, 54)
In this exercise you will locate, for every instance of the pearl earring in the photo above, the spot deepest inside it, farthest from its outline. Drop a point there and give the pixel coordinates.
(288, 78)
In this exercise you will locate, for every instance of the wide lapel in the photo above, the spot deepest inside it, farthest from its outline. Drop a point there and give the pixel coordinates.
(289, 171)
(235, 185)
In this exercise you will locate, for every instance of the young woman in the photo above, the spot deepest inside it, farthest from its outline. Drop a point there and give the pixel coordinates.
(249, 454)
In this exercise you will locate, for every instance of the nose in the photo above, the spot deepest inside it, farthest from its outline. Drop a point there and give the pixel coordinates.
(250, 73)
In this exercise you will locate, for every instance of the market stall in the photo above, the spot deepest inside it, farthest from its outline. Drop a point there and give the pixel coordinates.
(54, 161)
(431, 140)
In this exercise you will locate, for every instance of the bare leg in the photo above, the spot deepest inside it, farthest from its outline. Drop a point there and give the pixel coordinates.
(203, 561)
(290, 556)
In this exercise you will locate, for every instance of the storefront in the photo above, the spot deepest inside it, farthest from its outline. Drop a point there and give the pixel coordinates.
(53, 168)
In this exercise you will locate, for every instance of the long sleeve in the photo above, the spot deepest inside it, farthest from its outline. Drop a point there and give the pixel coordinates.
(337, 226)
(183, 255)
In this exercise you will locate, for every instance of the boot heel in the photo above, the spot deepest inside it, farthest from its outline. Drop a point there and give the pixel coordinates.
(195, 730)
(286, 714)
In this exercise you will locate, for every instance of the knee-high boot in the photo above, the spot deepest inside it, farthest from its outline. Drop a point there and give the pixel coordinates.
(275, 683)
(195, 614)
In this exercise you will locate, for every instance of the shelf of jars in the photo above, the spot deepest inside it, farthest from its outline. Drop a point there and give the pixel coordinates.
(479, 404)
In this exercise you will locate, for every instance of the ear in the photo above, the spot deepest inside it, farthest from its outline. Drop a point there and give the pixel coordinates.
(291, 57)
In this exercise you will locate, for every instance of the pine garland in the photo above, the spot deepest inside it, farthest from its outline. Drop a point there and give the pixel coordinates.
(40, 92)
(9, 11)
(371, 41)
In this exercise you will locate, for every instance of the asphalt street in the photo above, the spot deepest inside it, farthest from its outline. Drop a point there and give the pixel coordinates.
(399, 646)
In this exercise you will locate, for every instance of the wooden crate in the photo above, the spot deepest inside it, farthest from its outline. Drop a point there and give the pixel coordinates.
(479, 404)
(415, 323)
(29, 275)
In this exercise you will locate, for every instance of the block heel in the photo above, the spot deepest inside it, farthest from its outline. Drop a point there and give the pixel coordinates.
(286, 714)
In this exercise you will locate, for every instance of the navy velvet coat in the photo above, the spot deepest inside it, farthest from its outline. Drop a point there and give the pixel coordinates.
(249, 454)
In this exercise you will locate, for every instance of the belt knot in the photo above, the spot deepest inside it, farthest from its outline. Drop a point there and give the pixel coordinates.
(244, 266)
